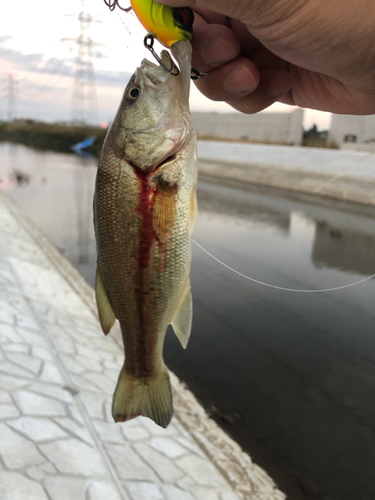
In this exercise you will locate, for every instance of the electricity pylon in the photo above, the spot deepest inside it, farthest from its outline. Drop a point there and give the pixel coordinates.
(11, 97)
(84, 97)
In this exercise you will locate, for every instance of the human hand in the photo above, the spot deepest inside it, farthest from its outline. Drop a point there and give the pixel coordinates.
(311, 53)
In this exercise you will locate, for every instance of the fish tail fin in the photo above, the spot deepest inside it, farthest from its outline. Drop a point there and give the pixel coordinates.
(147, 396)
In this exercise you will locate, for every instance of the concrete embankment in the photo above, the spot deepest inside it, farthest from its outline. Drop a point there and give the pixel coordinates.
(342, 174)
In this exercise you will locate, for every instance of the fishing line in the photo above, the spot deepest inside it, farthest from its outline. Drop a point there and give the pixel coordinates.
(281, 287)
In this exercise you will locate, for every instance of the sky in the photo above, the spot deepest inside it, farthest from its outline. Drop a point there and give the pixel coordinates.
(39, 50)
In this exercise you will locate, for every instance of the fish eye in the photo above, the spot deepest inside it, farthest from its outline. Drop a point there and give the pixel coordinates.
(133, 93)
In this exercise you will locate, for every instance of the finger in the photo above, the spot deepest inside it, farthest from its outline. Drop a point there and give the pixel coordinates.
(231, 81)
(213, 45)
(177, 3)
(211, 17)
(265, 59)
(249, 44)
(274, 86)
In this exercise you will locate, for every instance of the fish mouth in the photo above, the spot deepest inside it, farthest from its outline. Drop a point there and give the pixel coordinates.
(153, 74)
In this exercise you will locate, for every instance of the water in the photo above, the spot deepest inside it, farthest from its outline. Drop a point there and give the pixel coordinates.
(290, 376)
(58, 197)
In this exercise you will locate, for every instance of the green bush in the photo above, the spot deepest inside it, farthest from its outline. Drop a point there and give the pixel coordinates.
(52, 136)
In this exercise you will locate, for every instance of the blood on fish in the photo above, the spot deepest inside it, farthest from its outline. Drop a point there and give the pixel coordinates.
(144, 209)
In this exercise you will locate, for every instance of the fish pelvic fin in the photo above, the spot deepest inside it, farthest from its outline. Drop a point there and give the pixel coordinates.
(106, 315)
(183, 318)
(147, 396)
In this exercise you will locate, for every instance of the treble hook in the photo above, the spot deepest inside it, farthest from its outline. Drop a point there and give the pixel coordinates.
(173, 70)
(195, 74)
(149, 44)
(111, 4)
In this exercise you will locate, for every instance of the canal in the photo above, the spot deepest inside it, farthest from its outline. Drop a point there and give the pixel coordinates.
(289, 375)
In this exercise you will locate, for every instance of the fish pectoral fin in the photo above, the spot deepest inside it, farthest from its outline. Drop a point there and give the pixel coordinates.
(193, 210)
(106, 315)
(183, 318)
(164, 212)
(148, 396)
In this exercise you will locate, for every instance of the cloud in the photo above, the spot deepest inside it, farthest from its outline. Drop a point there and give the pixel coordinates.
(19, 58)
(58, 67)
(5, 38)
(111, 78)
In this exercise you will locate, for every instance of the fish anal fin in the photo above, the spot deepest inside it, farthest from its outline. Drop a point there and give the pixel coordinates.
(164, 212)
(148, 396)
(182, 320)
(105, 311)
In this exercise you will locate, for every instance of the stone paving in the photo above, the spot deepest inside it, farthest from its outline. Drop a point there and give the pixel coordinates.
(58, 372)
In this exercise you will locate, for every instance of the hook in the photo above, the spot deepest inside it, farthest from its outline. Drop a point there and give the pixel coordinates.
(112, 4)
(195, 74)
(149, 44)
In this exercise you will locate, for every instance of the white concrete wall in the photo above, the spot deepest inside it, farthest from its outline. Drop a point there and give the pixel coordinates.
(263, 127)
(361, 126)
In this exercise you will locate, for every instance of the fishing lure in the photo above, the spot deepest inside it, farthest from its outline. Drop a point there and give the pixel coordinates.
(173, 28)
(167, 24)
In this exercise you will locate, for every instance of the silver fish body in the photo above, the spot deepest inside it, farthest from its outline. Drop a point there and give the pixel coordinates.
(144, 211)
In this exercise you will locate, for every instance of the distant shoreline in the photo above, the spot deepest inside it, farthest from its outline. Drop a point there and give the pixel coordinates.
(51, 136)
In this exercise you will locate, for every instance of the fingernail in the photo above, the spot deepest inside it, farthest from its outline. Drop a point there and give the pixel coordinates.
(218, 51)
(280, 84)
(239, 80)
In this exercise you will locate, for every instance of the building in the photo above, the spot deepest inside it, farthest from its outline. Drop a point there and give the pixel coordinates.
(279, 128)
(349, 130)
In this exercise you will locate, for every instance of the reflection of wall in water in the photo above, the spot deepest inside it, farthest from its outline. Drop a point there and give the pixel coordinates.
(342, 248)
(233, 207)
(83, 197)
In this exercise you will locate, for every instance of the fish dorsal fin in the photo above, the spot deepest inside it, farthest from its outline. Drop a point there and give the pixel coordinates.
(182, 320)
(106, 315)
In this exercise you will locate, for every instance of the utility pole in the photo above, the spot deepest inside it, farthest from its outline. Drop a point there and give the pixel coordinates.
(84, 98)
(11, 97)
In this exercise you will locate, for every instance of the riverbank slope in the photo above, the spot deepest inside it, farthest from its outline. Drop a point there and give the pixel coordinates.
(341, 174)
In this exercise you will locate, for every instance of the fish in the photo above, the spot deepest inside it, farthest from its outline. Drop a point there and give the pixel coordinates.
(144, 213)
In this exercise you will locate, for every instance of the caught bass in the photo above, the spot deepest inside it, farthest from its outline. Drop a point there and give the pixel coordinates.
(144, 213)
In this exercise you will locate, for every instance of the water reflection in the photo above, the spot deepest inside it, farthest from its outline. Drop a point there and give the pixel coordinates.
(58, 198)
(342, 248)
(219, 203)
(83, 193)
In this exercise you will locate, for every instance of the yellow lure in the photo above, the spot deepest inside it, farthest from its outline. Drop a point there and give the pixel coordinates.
(168, 24)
